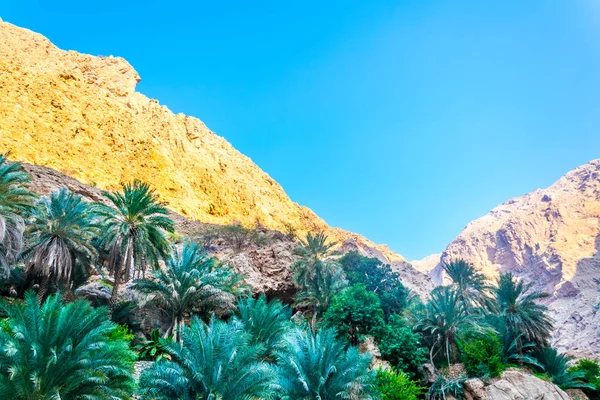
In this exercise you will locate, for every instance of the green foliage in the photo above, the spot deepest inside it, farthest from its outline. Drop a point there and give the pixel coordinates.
(214, 361)
(192, 282)
(16, 201)
(134, 232)
(320, 366)
(517, 304)
(444, 316)
(154, 348)
(482, 355)
(443, 387)
(377, 278)
(60, 235)
(556, 366)
(121, 332)
(266, 321)
(400, 346)
(318, 291)
(354, 312)
(394, 385)
(591, 375)
(68, 352)
(122, 314)
(469, 283)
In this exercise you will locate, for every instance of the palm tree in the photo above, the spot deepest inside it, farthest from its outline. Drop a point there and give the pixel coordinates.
(557, 367)
(16, 201)
(134, 232)
(319, 366)
(51, 351)
(469, 283)
(214, 361)
(443, 317)
(192, 282)
(515, 302)
(312, 252)
(327, 280)
(60, 238)
(266, 321)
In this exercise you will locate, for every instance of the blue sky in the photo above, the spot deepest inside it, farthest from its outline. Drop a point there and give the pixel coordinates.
(400, 120)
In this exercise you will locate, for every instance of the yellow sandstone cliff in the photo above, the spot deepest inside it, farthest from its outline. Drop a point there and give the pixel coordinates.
(80, 114)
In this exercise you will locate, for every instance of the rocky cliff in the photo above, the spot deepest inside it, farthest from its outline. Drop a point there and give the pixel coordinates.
(80, 114)
(551, 237)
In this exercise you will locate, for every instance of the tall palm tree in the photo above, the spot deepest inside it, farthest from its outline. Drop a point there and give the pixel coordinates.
(192, 282)
(214, 361)
(312, 252)
(469, 283)
(266, 321)
(60, 236)
(16, 201)
(51, 351)
(319, 366)
(443, 317)
(134, 232)
(515, 302)
(327, 280)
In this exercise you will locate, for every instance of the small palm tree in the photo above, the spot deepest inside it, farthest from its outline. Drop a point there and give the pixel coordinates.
(16, 201)
(319, 366)
(318, 292)
(312, 252)
(443, 317)
(60, 236)
(516, 303)
(557, 367)
(469, 283)
(134, 233)
(51, 351)
(214, 361)
(266, 321)
(192, 282)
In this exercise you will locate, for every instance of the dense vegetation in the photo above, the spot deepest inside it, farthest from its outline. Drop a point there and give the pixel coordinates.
(212, 339)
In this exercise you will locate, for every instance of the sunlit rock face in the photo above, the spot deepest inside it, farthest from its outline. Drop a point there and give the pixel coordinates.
(81, 116)
(550, 237)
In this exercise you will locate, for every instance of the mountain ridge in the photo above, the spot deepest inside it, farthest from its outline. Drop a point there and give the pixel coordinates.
(81, 115)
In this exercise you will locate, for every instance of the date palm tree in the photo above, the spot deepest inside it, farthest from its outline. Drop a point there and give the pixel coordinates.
(16, 201)
(470, 284)
(192, 282)
(312, 253)
(60, 235)
(556, 365)
(443, 317)
(266, 321)
(51, 351)
(214, 361)
(515, 302)
(321, 367)
(134, 232)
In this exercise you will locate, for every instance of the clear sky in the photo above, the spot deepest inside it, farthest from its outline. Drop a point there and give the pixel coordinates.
(400, 120)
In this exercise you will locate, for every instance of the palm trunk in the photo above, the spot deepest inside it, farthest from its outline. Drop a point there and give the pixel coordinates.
(43, 289)
(118, 278)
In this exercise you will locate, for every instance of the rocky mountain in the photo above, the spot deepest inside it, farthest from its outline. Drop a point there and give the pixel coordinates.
(551, 237)
(80, 116)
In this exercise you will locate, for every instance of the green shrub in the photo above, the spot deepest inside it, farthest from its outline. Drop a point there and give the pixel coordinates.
(400, 346)
(155, 348)
(482, 356)
(354, 313)
(394, 385)
(379, 279)
(443, 387)
(591, 375)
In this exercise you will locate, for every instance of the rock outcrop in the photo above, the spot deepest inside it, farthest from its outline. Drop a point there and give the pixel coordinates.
(514, 385)
(80, 115)
(550, 237)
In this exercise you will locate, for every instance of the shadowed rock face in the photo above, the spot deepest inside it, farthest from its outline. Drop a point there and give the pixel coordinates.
(551, 237)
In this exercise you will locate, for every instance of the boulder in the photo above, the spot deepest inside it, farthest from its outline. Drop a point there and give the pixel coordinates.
(514, 385)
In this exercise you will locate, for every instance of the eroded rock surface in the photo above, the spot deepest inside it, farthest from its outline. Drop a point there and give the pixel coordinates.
(550, 237)
(514, 385)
